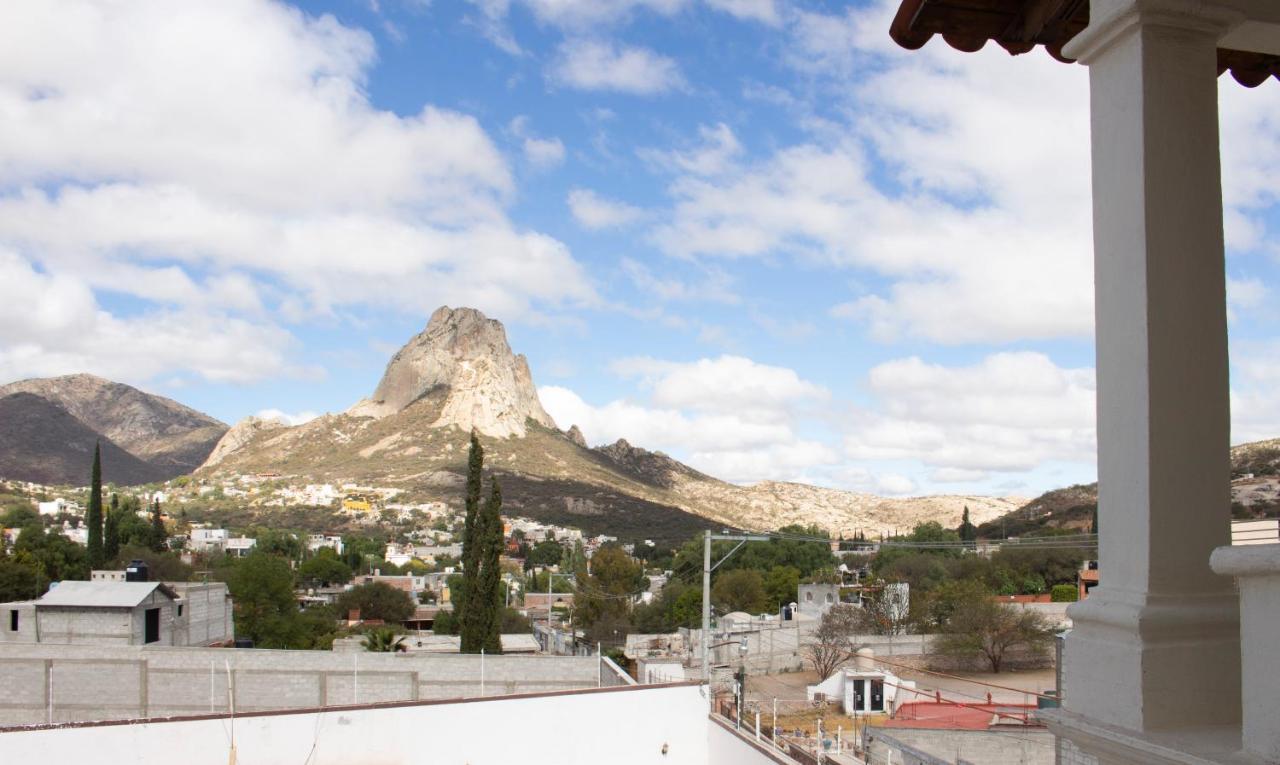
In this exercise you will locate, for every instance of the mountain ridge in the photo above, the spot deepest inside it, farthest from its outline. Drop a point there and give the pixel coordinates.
(170, 438)
(459, 373)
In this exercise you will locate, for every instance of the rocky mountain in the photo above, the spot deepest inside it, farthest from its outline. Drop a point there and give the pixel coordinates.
(459, 374)
(165, 438)
(41, 441)
(461, 351)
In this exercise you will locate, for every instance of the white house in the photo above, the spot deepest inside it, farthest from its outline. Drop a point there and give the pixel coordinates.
(862, 689)
(240, 546)
(208, 539)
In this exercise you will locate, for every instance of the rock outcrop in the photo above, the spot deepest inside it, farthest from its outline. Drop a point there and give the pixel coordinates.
(240, 435)
(574, 434)
(465, 354)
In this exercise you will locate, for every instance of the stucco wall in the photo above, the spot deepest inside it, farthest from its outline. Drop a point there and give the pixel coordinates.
(623, 726)
(94, 682)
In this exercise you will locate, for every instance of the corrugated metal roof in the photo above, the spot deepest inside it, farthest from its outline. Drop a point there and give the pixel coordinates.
(100, 594)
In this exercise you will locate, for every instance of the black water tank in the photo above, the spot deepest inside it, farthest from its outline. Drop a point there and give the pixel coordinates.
(137, 571)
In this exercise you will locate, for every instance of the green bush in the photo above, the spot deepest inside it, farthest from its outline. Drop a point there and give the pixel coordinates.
(1064, 593)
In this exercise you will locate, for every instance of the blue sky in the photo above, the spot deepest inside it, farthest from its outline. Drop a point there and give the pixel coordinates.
(751, 233)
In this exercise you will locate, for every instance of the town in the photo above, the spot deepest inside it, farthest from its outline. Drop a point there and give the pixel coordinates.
(694, 382)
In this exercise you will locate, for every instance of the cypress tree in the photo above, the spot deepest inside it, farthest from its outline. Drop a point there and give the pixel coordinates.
(111, 530)
(968, 532)
(471, 637)
(93, 515)
(159, 537)
(488, 598)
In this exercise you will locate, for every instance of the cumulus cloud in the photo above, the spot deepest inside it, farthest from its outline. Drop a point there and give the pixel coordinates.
(51, 324)
(543, 152)
(763, 11)
(222, 163)
(1009, 412)
(599, 65)
(975, 245)
(730, 416)
(593, 211)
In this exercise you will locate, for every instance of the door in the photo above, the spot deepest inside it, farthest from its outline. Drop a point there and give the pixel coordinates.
(152, 631)
(877, 696)
(859, 695)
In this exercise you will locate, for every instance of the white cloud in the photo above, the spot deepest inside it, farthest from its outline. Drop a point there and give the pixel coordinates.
(716, 287)
(588, 64)
(1009, 412)
(582, 14)
(51, 324)
(287, 418)
(593, 211)
(223, 160)
(1244, 295)
(730, 417)
(1255, 377)
(727, 384)
(976, 245)
(543, 152)
(715, 153)
(763, 11)
(540, 152)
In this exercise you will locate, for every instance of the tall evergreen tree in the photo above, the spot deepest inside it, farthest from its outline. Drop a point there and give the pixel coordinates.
(968, 532)
(1093, 522)
(111, 530)
(488, 598)
(471, 636)
(159, 537)
(93, 516)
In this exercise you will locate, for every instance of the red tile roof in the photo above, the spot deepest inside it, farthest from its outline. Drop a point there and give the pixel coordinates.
(1020, 25)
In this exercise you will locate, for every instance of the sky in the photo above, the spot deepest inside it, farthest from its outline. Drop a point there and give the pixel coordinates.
(753, 234)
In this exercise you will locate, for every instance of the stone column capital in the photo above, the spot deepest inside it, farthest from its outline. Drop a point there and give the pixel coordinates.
(1113, 20)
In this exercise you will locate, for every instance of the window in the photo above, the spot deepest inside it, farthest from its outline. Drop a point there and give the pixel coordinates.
(179, 609)
(830, 598)
(808, 597)
(13, 620)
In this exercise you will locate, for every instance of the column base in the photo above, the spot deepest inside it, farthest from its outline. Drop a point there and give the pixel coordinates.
(1149, 663)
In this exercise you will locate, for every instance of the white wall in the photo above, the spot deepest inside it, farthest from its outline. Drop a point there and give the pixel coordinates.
(622, 726)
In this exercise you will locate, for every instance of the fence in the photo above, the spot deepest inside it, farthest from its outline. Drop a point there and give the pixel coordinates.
(67, 683)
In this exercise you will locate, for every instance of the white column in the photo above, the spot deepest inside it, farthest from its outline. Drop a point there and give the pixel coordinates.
(1155, 647)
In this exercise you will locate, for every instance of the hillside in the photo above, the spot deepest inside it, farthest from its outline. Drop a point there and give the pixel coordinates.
(459, 373)
(1255, 492)
(168, 438)
(43, 443)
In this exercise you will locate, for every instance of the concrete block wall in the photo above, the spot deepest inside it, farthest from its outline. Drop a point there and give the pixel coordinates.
(99, 682)
(207, 614)
(914, 746)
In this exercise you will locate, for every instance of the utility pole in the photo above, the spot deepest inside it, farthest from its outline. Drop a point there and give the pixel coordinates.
(706, 614)
(707, 568)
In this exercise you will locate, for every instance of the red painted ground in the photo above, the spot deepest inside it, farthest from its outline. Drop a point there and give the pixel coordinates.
(931, 714)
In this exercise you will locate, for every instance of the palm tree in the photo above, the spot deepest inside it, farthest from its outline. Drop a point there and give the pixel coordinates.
(384, 640)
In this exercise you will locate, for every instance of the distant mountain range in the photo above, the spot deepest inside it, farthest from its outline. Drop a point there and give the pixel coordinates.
(459, 374)
(412, 434)
(48, 428)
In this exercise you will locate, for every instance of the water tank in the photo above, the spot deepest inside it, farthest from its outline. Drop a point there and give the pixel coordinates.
(137, 571)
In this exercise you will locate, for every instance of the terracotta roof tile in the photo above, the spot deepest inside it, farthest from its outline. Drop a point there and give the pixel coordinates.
(1021, 25)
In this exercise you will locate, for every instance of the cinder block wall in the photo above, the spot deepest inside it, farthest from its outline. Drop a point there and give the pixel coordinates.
(66, 683)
